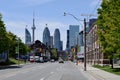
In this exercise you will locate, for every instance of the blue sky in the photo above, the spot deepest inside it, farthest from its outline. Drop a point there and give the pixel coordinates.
(19, 13)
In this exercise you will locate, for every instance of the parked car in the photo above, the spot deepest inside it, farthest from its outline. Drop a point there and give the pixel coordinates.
(45, 60)
(61, 61)
(52, 60)
(32, 59)
(37, 59)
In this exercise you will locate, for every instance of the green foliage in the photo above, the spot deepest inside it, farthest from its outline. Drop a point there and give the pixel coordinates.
(12, 43)
(9, 42)
(3, 37)
(23, 49)
(109, 26)
(108, 69)
(14, 61)
(54, 52)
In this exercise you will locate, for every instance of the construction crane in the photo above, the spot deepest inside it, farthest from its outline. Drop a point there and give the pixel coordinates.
(89, 15)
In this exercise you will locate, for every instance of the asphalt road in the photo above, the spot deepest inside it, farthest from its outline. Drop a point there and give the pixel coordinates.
(43, 71)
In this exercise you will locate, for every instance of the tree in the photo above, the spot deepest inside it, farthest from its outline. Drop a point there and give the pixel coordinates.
(12, 44)
(23, 49)
(9, 42)
(109, 26)
(3, 36)
(54, 53)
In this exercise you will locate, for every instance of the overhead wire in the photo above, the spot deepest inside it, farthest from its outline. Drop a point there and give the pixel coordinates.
(97, 5)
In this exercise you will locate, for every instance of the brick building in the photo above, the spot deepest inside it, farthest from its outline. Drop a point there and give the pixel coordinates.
(94, 54)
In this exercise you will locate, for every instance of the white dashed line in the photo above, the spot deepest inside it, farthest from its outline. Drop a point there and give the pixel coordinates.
(51, 72)
(42, 79)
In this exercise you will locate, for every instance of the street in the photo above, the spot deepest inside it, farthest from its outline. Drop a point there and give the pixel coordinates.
(43, 71)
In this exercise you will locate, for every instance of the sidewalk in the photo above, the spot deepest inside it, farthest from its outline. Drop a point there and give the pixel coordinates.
(97, 73)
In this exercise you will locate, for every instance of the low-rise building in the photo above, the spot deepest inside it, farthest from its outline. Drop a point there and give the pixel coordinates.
(94, 53)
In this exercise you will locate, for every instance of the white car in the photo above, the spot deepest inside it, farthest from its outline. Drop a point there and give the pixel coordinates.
(32, 59)
(52, 60)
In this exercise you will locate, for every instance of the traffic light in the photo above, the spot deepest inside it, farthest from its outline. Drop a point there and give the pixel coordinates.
(40, 49)
(73, 50)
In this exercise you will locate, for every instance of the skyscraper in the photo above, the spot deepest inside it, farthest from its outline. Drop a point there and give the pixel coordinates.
(46, 36)
(33, 29)
(27, 37)
(61, 45)
(57, 39)
(90, 24)
(73, 32)
(67, 44)
(81, 38)
(51, 41)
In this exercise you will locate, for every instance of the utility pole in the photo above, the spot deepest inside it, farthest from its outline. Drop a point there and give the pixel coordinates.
(18, 51)
(88, 16)
(84, 44)
(84, 36)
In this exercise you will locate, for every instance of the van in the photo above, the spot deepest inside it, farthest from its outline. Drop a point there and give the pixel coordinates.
(41, 60)
(37, 59)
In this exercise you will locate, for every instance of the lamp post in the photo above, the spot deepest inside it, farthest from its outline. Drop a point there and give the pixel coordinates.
(84, 36)
(18, 51)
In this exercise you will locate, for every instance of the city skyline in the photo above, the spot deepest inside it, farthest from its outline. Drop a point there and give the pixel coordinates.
(17, 14)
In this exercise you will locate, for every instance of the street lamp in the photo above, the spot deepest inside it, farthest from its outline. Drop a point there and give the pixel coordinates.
(18, 51)
(73, 16)
(84, 35)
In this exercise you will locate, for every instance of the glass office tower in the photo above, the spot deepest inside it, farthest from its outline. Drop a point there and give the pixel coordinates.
(73, 32)
(46, 36)
(57, 39)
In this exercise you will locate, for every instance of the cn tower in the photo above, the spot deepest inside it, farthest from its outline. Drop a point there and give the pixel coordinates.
(33, 30)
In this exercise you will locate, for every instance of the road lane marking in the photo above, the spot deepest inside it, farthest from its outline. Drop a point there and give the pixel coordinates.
(42, 78)
(51, 72)
(24, 70)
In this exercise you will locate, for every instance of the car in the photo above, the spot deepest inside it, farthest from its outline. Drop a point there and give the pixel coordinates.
(61, 61)
(36, 58)
(32, 59)
(45, 60)
(52, 60)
